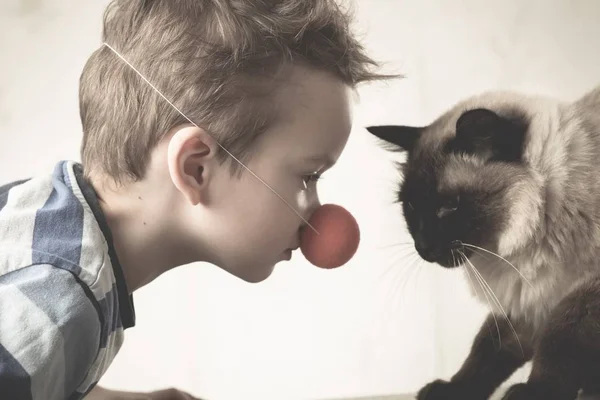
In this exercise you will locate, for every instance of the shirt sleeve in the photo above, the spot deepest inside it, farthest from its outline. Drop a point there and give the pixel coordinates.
(49, 333)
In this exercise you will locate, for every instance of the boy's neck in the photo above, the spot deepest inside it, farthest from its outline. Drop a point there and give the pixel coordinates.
(146, 244)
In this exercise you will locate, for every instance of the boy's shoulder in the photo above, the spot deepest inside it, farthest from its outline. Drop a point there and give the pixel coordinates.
(56, 219)
(63, 299)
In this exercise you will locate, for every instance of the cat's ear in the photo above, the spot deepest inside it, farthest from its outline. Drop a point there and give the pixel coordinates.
(399, 136)
(491, 136)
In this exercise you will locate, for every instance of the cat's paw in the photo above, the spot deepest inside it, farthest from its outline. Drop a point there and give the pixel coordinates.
(528, 391)
(443, 390)
(520, 391)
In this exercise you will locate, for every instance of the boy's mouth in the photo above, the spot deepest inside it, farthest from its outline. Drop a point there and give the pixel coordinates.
(287, 255)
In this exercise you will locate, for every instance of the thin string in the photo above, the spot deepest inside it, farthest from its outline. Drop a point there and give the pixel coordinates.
(219, 144)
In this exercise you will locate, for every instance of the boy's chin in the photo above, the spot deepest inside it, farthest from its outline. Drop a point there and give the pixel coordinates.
(255, 275)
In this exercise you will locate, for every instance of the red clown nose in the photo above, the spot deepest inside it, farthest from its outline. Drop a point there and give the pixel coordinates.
(337, 240)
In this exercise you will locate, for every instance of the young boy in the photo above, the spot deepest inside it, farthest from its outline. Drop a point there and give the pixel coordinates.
(270, 81)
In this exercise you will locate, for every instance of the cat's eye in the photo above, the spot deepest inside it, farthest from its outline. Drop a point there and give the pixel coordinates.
(450, 206)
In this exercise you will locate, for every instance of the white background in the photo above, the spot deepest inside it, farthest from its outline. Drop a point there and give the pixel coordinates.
(382, 324)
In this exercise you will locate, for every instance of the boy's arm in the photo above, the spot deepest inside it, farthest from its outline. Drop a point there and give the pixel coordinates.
(168, 394)
(100, 393)
(49, 333)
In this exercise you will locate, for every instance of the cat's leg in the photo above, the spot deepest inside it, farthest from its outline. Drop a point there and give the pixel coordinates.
(490, 362)
(592, 385)
(567, 355)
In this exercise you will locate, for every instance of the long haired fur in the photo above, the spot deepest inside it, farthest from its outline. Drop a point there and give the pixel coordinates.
(508, 185)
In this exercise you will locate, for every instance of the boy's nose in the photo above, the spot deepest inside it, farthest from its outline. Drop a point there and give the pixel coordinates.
(311, 209)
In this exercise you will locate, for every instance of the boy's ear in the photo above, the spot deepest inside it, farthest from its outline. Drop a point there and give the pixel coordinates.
(484, 133)
(401, 137)
(189, 152)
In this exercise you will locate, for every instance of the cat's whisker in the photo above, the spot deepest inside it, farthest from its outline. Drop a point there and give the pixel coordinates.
(470, 280)
(468, 266)
(499, 305)
(393, 265)
(402, 249)
(472, 246)
(389, 294)
(401, 269)
(400, 279)
(458, 259)
(398, 255)
(482, 254)
(408, 273)
(455, 260)
(482, 280)
(418, 275)
(414, 270)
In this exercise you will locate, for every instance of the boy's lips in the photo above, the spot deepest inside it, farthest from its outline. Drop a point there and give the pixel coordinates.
(287, 253)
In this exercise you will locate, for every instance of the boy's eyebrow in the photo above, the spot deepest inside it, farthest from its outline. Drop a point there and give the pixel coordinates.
(317, 158)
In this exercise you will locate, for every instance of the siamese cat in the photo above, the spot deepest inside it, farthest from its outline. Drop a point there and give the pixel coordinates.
(507, 187)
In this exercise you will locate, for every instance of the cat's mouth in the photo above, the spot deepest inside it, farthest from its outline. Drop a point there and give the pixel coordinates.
(452, 255)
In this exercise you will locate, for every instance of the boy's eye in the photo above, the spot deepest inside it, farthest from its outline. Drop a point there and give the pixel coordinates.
(307, 179)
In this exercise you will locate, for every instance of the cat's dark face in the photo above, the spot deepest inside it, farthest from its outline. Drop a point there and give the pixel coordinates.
(457, 180)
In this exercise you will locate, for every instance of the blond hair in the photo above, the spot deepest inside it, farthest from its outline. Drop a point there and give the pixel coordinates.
(216, 60)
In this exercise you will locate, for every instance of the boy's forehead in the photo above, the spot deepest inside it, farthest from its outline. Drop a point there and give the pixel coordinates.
(311, 90)
(312, 140)
(315, 114)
